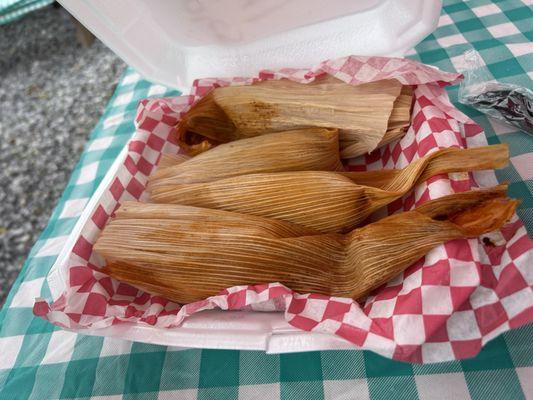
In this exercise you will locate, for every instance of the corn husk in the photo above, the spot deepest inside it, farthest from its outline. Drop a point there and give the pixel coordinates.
(401, 110)
(205, 125)
(384, 248)
(216, 220)
(358, 148)
(298, 150)
(171, 160)
(236, 112)
(399, 118)
(440, 162)
(191, 260)
(352, 144)
(325, 201)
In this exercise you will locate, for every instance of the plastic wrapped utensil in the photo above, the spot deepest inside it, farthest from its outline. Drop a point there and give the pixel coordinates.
(509, 103)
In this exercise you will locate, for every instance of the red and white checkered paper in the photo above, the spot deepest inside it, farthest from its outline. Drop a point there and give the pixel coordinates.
(446, 306)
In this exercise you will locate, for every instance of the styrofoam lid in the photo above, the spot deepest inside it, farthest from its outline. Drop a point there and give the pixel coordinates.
(174, 42)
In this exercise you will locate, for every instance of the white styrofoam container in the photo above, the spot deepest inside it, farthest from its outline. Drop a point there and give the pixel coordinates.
(173, 42)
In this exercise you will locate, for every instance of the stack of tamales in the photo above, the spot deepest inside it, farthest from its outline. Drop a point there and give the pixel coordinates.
(265, 196)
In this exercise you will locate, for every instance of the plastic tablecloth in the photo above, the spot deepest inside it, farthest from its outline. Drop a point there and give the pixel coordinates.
(11, 10)
(40, 361)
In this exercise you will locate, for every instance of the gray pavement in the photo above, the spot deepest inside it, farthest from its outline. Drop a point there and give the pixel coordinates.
(52, 92)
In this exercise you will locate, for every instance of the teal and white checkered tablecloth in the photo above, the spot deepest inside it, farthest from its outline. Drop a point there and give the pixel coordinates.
(11, 10)
(40, 361)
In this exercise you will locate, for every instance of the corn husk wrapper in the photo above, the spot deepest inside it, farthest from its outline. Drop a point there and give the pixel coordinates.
(298, 150)
(216, 220)
(358, 148)
(236, 112)
(325, 201)
(440, 162)
(170, 160)
(353, 144)
(401, 110)
(186, 261)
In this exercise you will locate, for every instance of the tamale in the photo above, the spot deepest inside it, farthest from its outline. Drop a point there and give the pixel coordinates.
(298, 150)
(190, 261)
(235, 112)
(325, 201)
(401, 239)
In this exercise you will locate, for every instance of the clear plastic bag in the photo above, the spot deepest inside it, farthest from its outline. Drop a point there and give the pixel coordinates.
(506, 102)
